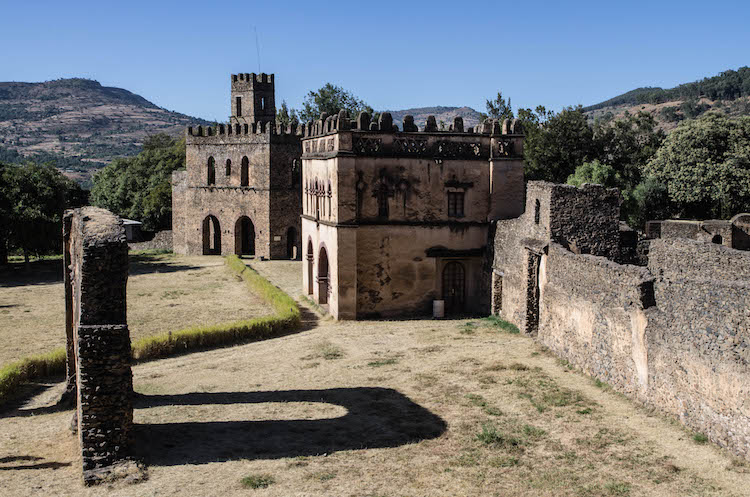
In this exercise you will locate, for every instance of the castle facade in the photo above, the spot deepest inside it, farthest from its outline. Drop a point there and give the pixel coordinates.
(240, 193)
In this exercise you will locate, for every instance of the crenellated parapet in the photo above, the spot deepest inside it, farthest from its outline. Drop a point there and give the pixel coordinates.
(338, 134)
(251, 81)
(222, 132)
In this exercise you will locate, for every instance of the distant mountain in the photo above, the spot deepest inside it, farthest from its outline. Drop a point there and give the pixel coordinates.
(728, 92)
(445, 114)
(78, 123)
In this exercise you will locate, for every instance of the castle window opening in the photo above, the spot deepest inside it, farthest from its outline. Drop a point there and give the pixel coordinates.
(456, 204)
(262, 103)
(211, 180)
(537, 211)
(310, 259)
(244, 172)
(323, 277)
(717, 239)
(382, 194)
(228, 168)
(239, 106)
(291, 243)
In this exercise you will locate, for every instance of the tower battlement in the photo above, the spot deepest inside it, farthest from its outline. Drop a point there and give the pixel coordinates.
(253, 98)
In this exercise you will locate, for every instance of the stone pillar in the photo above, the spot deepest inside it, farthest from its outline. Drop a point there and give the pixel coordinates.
(96, 258)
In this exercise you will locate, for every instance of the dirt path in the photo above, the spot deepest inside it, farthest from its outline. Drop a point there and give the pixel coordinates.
(379, 408)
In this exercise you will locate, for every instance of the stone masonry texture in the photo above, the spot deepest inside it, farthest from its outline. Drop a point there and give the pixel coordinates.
(96, 256)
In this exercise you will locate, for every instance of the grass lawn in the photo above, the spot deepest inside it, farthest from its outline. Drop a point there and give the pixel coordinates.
(166, 292)
(377, 408)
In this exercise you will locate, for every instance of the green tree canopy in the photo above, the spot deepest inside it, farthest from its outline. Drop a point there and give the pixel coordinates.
(139, 187)
(33, 198)
(498, 108)
(595, 172)
(558, 144)
(331, 99)
(286, 116)
(705, 165)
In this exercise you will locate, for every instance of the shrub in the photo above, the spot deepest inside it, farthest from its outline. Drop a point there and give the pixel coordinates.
(38, 366)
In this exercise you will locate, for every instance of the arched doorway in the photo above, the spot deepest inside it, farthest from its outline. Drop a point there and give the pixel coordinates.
(454, 287)
(211, 236)
(244, 236)
(291, 243)
(323, 277)
(310, 259)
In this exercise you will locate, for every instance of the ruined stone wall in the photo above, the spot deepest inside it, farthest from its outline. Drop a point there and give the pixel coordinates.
(96, 258)
(741, 231)
(699, 340)
(674, 335)
(162, 240)
(593, 312)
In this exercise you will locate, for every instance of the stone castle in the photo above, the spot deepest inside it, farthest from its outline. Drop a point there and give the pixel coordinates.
(241, 191)
(393, 219)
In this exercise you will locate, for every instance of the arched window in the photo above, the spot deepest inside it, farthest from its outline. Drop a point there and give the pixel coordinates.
(228, 168)
(245, 172)
(717, 239)
(211, 236)
(329, 199)
(310, 273)
(323, 277)
(211, 180)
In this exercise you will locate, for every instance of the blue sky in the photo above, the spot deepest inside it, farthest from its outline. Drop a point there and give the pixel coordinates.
(394, 55)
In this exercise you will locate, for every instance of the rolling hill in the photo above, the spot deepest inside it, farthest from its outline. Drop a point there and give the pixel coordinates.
(78, 123)
(727, 92)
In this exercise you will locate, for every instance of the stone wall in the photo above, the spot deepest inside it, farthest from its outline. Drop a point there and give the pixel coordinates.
(96, 259)
(674, 335)
(162, 240)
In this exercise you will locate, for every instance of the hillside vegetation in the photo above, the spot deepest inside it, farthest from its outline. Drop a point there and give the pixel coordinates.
(728, 93)
(78, 124)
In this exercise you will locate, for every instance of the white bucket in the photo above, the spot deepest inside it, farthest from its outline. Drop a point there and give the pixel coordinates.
(438, 309)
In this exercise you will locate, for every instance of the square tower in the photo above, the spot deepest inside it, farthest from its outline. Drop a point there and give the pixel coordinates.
(252, 98)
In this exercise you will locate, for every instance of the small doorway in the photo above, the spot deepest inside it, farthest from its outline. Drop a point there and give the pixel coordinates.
(211, 236)
(323, 277)
(244, 236)
(454, 287)
(291, 243)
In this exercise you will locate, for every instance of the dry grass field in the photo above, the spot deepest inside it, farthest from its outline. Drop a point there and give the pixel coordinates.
(376, 408)
(165, 293)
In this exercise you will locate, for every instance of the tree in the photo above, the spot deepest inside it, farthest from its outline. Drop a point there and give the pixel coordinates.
(595, 172)
(648, 201)
(705, 165)
(286, 116)
(331, 99)
(559, 144)
(139, 187)
(498, 108)
(627, 144)
(34, 199)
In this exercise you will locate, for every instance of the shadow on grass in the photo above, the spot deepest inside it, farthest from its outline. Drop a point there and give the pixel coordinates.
(41, 272)
(376, 418)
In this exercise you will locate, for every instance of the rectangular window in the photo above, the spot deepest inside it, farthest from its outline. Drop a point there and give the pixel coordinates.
(238, 101)
(456, 204)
